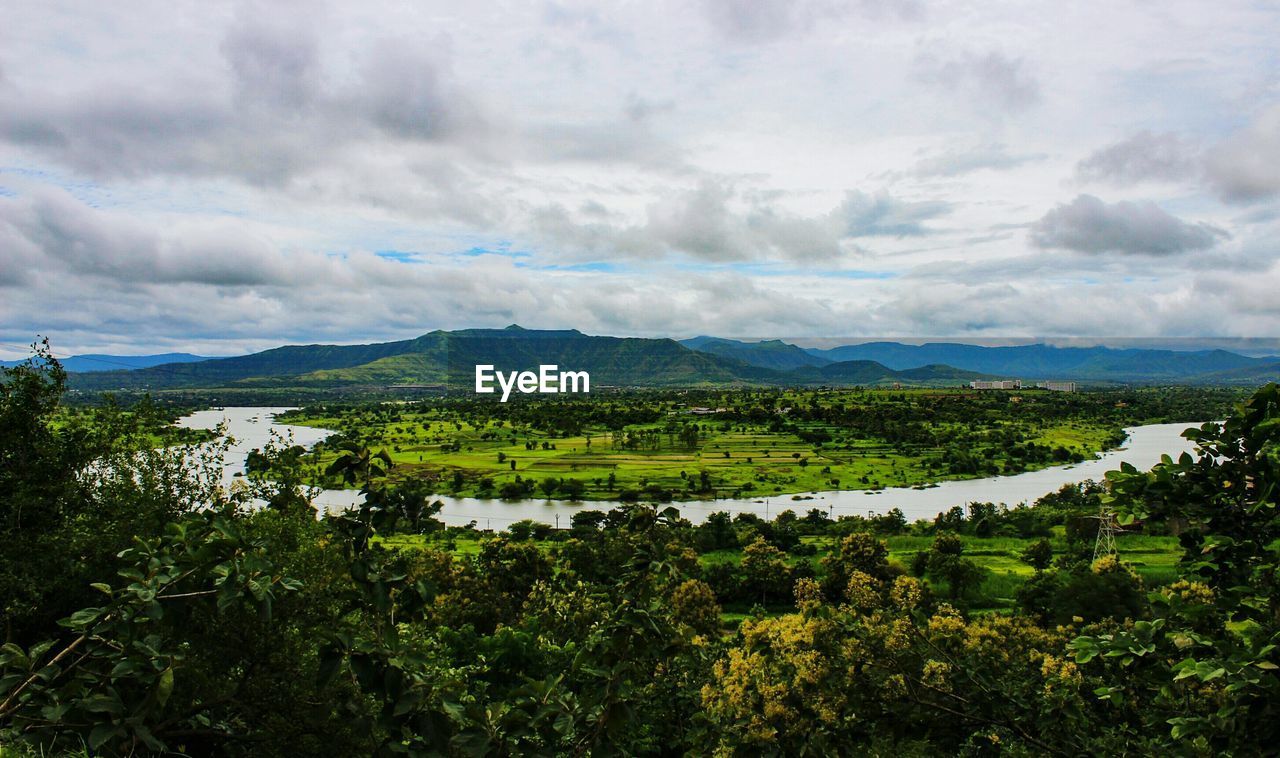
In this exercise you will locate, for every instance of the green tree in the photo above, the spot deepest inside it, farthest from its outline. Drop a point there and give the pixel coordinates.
(765, 569)
(357, 464)
(859, 551)
(1038, 555)
(947, 563)
(1201, 675)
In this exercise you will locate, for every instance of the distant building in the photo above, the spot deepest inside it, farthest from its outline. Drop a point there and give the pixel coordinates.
(999, 384)
(1057, 386)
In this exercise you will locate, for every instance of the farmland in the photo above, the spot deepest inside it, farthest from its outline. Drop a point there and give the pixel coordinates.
(688, 445)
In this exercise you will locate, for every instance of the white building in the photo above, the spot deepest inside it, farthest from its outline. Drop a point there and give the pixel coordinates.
(1057, 386)
(1000, 384)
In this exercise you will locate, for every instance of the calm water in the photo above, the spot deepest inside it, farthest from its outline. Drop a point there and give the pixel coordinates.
(252, 427)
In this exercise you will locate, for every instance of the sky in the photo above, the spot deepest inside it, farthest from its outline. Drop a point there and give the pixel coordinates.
(220, 178)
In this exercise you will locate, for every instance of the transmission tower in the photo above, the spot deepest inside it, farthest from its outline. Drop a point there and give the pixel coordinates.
(1105, 544)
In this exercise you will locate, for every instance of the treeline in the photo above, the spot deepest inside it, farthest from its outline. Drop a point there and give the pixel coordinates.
(148, 610)
(899, 418)
(769, 550)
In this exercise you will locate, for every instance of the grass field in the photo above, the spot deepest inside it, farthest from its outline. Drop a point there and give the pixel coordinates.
(725, 456)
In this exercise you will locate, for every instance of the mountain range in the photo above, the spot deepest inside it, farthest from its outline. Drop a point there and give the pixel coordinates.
(448, 359)
(103, 362)
(1027, 362)
(1049, 362)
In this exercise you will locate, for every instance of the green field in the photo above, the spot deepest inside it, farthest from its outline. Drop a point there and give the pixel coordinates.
(659, 446)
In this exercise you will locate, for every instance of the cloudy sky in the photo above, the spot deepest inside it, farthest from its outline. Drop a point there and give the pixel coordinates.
(221, 178)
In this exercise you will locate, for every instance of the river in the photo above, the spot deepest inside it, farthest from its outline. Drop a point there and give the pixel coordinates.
(252, 428)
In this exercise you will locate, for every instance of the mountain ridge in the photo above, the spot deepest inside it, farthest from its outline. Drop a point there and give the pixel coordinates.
(91, 362)
(442, 358)
(448, 359)
(1046, 362)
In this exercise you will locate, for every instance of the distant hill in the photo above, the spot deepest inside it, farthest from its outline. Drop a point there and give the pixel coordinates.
(873, 373)
(1034, 362)
(102, 362)
(774, 354)
(443, 358)
(448, 359)
(1250, 376)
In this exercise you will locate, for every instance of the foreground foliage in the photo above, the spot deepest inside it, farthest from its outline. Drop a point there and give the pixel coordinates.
(163, 614)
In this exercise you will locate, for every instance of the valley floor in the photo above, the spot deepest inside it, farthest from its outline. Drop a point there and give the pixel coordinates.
(664, 446)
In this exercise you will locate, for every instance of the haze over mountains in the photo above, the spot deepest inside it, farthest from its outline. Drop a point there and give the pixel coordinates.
(1048, 362)
(1029, 362)
(448, 358)
(104, 362)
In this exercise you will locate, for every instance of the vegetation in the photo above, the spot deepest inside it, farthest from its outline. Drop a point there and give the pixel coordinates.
(147, 610)
(982, 557)
(447, 359)
(689, 444)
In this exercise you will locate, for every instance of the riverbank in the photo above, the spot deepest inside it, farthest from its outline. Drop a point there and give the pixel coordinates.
(252, 427)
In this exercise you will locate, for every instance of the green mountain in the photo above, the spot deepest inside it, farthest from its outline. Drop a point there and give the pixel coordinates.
(288, 361)
(773, 354)
(1246, 376)
(870, 373)
(449, 359)
(1034, 362)
(445, 358)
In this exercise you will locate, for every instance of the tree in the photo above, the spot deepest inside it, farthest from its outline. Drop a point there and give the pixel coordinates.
(356, 464)
(947, 562)
(860, 551)
(1188, 675)
(716, 533)
(521, 531)
(110, 679)
(587, 521)
(694, 603)
(765, 569)
(572, 489)
(1038, 555)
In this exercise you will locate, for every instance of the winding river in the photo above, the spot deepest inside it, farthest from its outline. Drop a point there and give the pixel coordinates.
(252, 428)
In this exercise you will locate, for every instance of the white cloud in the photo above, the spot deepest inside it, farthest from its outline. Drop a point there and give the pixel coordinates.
(1145, 156)
(1246, 166)
(955, 162)
(760, 21)
(1088, 225)
(991, 78)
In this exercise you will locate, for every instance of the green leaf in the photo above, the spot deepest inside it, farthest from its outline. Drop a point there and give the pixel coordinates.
(103, 704)
(84, 617)
(125, 668)
(164, 688)
(101, 733)
(13, 655)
